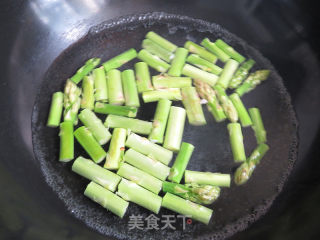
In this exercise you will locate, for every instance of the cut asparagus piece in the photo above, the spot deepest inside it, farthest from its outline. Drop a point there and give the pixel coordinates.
(173, 94)
(71, 102)
(143, 77)
(92, 147)
(257, 126)
(202, 52)
(227, 73)
(241, 74)
(206, 92)
(199, 74)
(178, 62)
(87, 100)
(230, 51)
(55, 110)
(88, 169)
(187, 208)
(106, 199)
(236, 142)
(207, 178)
(163, 82)
(204, 64)
(152, 150)
(116, 149)
(125, 111)
(134, 125)
(161, 41)
(241, 109)
(141, 178)
(175, 127)
(226, 104)
(153, 61)
(115, 90)
(212, 47)
(95, 126)
(191, 102)
(119, 60)
(66, 142)
(157, 50)
(100, 84)
(85, 70)
(202, 194)
(181, 162)
(149, 165)
(130, 88)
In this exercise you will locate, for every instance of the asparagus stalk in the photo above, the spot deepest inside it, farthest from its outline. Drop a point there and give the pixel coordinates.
(66, 142)
(206, 92)
(134, 125)
(152, 150)
(153, 61)
(161, 41)
(143, 77)
(202, 52)
(119, 60)
(87, 100)
(92, 147)
(191, 102)
(187, 208)
(212, 47)
(252, 81)
(115, 91)
(71, 102)
(226, 104)
(100, 84)
(257, 126)
(227, 72)
(173, 94)
(130, 88)
(204, 64)
(88, 169)
(95, 126)
(241, 73)
(174, 132)
(207, 178)
(85, 70)
(241, 109)
(157, 50)
(178, 62)
(245, 170)
(139, 177)
(149, 165)
(163, 82)
(125, 111)
(236, 141)
(55, 110)
(181, 162)
(202, 194)
(160, 121)
(199, 74)
(106, 199)
(116, 149)
(230, 51)
(132, 192)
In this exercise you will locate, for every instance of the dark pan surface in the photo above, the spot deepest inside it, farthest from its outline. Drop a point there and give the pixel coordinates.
(237, 206)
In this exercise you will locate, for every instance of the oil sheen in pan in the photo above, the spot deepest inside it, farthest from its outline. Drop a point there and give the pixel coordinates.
(238, 206)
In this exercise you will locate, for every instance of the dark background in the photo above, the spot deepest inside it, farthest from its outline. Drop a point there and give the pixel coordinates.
(33, 33)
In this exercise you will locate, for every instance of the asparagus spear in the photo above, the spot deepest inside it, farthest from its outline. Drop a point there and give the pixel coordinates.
(230, 51)
(161, 41)
(236, 141)
(206, 92)
(71, 102)
(181, 162)
(245, 170)
(88, 169)
(153, 61)
(178, 62)
(95, 126)
(100, 84)
(163, 82)
(252, 81)
(134, 125)
(226, 104)
(160, 121)
(87, 100)
(202, 194)
(174, 132)
(202, 52)
(106, 199)
(85, 70)
(55, 110)
(173, 94)
(66, 142)
(116, 149)
(207, 178)
(199, 74)
(146, 164)
(143, 77)
(152, 150)
(212, 47)
(257, 126)
(157, 50)
(115, 91)
(125, 111)
(227, 73)
(92, 147)
(132, 192)
(119, 60)
(241, 109)
(187, 208)
(204, 64)
(241, 73)
(140, 177)
(130, 88)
